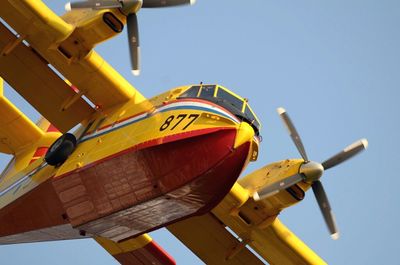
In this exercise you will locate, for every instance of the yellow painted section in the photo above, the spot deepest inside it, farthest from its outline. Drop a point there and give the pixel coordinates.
(270, 173)
(22, 159)
(89, 25)
(51, 36)
(115, 248)
(256, 222)
(16, 130)
(108, 139)
(292, 242)
(150, 128)
(31, 77)
(244, 134)
(68, 47)
(21, 138)
(42, 19)
(237, 196)
(25, 183)
(253, 223)
(210, 241)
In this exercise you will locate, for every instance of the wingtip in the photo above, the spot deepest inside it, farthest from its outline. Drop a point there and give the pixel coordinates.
(335, 236)
(364, 143)
(280, 110)
(192, 2)
(136, 72)
(67, 6)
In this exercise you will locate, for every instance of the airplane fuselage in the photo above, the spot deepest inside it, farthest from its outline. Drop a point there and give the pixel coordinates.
(136, 168)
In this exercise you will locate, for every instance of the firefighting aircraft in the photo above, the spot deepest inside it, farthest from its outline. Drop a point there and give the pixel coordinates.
(132, 165)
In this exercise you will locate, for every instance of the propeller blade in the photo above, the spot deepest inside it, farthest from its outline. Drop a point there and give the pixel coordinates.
(326, 210)
(347, 153)
(293, 133)
(277, 186)
(133, 39)
(166, 3)
(93, 5)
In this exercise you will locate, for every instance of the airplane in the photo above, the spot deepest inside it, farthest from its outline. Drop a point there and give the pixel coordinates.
(106, 163)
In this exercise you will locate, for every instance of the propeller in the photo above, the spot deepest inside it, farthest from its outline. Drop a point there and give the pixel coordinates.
(311, 172)
(129, 8)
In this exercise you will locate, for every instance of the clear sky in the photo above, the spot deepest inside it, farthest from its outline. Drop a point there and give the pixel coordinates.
(334, 65)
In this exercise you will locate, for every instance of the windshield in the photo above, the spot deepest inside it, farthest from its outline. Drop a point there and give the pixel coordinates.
(227, 99)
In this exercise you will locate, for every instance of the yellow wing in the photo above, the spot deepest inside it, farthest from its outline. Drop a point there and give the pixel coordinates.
(29, 75)
(139, 250)
(43, 38)
(254, 223)
(207, 237)
(16, 130)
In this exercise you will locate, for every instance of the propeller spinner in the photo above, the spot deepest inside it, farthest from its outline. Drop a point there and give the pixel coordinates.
(311, 172)
(129, 8)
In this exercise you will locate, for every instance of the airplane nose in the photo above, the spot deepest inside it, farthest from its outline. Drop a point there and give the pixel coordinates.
(244, 134)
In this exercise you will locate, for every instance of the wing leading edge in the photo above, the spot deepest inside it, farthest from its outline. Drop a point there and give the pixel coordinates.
(16, 130)
(30, 76)
(207, 237)
(140, 250)
(43, 38)
(252, 226)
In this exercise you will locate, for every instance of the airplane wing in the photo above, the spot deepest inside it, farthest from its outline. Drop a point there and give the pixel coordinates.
(41, 50)
(278, 245)
(16, 130)
(140, 250)
(238, 223)
(208, 238)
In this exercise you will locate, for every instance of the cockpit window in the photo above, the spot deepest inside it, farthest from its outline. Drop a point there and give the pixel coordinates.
(207, 91)
(223, 97)
(191, 92)
(229, 98)
(251, 117)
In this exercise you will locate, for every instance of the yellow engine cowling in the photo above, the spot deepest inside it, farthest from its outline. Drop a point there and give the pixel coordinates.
(273, 173)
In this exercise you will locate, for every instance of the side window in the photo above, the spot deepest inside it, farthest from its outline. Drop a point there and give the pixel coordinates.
(191, 92)
(207, 91)
(229, 98)
(249, 114)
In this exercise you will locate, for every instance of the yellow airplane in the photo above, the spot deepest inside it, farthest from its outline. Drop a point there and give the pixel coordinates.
(132, 165)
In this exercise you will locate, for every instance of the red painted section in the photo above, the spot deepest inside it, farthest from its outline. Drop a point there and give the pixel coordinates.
(151, 254)
(126, 195)
(151, 143)
(159, 253)
(38, 209)
(52, 128)
(40, 151)
(74, 88)
(214, 192)
(135, 191)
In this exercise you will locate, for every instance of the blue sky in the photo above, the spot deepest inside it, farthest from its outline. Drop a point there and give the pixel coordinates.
(333, 65)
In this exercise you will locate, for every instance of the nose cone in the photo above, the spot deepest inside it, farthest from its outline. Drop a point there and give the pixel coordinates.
(312, 171)
(244, 134)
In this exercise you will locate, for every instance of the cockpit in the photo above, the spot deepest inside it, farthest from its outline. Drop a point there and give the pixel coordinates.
(227, 99)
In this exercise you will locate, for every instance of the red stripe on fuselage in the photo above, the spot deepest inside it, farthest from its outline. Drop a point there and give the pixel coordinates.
(150, 143)
(169, 103)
